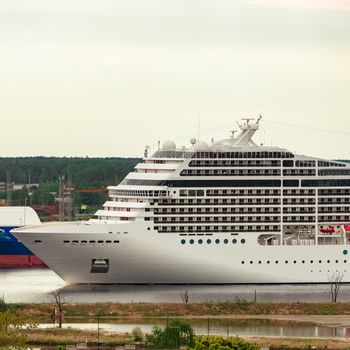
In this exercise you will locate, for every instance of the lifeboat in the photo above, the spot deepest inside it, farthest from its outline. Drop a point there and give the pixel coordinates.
(328, 230)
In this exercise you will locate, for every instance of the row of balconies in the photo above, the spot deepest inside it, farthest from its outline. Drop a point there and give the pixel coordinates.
(164, 211)
(299, 192)
(230, 163)
(217, 228)
(333, 200)
(137, 193)
(219, 201)
(334, 218)
(334, 209)
(231, 172)
(299, 210)
(299, 201)
(299, 172)
(265, 192)
(204, 219)
(334, 191)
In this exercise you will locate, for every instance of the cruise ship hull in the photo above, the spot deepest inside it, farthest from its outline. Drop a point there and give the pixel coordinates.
(137, 255)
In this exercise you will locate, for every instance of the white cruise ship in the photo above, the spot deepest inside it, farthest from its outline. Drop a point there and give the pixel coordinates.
(231, 212)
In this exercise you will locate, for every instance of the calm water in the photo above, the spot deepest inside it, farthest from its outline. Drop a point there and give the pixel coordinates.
(222, 327)
(36, 285)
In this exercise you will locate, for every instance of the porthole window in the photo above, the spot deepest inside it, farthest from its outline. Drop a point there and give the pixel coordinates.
(320, 261)
(242, 262)
(345, 252)
(328, 261)
(336, 261)
(286, 261)
(259, 262)
(217, 241)
(243, 241)
(208, 241)
(303, 261)
(200, 241)
(225, 241)
(276, 262)
(191, 241)
(251, 261)
(294, 261)
(268, 261)
(183, 241)
(311, 261)
(344, 261)
(234, 241)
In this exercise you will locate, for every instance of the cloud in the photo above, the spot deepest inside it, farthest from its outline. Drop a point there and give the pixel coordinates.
(340, 5)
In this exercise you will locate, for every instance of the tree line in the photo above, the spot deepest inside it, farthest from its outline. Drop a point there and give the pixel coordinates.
(82, 173)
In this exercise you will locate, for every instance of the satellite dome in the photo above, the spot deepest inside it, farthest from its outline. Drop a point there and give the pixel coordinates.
(169, 146)
(201, 146)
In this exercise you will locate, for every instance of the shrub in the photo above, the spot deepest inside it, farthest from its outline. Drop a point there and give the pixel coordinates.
(3, 306)
(137, 334)
(12, 330)
(177, 333)
(220, 343)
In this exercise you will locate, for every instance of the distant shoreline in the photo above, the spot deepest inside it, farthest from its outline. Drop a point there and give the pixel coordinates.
(312, 312)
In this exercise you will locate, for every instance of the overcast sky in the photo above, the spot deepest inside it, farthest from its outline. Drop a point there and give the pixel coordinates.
(107, 77)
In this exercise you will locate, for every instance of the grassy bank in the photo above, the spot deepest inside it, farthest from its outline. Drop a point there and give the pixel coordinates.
(51, 337)
(37, 311)
(299, 343)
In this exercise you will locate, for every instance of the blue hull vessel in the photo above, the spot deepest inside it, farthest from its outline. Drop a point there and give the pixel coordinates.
(12, 252)
(9, 244)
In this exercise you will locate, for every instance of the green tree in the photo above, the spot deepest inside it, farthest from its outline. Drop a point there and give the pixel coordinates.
(177, 333)
(220, 343)
(137, 334)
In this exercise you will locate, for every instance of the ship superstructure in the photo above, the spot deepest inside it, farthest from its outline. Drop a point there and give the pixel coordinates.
(229, 212)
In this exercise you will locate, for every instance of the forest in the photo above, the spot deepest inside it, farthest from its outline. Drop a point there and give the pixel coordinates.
(81, 173)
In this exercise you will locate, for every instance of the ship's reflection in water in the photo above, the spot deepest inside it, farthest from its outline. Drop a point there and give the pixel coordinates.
(247, 327)
(36, 285)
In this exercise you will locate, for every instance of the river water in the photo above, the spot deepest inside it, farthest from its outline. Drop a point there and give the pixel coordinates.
(247, 327)
(36, 285)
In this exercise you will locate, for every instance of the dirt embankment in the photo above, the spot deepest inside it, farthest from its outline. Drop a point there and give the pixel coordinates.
(134, 310)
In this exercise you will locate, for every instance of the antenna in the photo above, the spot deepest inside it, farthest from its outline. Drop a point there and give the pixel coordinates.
(239, 125)
(199, 125)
